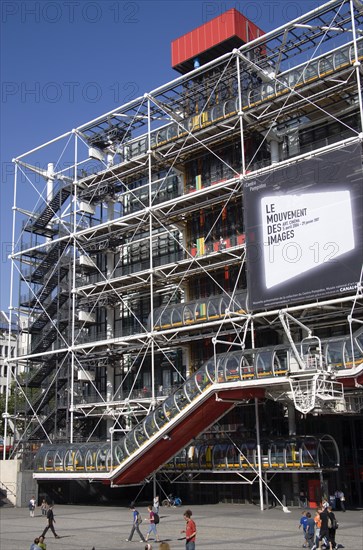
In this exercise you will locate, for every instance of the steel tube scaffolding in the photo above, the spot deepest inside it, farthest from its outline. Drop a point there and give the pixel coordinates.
(138, 266)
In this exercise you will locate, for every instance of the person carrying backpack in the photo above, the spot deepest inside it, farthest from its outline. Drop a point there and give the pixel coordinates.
(31, 506)
(152, 528)
(324, 531)
(332, 527)
(136, 522)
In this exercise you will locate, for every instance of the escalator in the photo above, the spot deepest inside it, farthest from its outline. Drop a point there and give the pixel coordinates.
(204, 398)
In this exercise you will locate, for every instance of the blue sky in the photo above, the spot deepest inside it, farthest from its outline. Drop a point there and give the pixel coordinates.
(66, 62)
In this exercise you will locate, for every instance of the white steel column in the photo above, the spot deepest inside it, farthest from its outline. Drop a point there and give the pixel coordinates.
(260, 481)
(73, 308)
(152, 347)
(274, 151)
(50, 181)
(11, 307)
(110, 312)
(240, 115)
(357, 65)
(291, 412)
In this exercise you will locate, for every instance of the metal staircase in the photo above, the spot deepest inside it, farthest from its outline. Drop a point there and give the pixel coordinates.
(48, 313)
(40, 225)
(51, 259)
(46, 338)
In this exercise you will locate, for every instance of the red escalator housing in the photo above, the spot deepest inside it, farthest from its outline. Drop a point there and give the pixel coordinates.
(181, 434)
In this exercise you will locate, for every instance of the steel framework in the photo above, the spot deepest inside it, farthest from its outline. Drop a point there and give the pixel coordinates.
(131, 262)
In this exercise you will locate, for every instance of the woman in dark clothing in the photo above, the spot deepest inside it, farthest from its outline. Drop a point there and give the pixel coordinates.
(332, 529)
(324, 530)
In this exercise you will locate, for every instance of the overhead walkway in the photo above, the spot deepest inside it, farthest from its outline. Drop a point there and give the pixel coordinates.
(204, 398)
(294, 453)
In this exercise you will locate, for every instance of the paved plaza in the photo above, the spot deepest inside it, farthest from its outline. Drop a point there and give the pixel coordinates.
(220, 526)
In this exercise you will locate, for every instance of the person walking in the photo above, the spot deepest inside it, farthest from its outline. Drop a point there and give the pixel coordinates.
(302, 523)
(152, 528)
(42, 544)
(324, 531)
(317, 521)
(31, 507)
(190, 530)
(51, 521)
(341, 498)
(156, 504)
(310, 530)
(136, 522)
(332, 528)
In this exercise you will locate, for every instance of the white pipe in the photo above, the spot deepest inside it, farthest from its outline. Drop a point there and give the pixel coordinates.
(259, 460)
(357, 66)
(260, 481)
(151, 264)
(8, 374)
(73, 309)
(274, 151)
(240, 115)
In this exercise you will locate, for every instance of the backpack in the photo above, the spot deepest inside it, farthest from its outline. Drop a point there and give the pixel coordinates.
(138, 519)
(332, 523)
(156, 518)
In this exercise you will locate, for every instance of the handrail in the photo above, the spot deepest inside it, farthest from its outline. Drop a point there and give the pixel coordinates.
(7, 489)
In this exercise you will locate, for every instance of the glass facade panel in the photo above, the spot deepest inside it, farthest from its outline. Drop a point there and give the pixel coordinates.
(210, 370)
(232, 370)
(150, 426)
(180, 399)
(191, 388)
(334, 354)
(177, 318)
(202, 378)
(352, 354)
(213, 309)
(130, 442)
(264, 363)
(119, 453)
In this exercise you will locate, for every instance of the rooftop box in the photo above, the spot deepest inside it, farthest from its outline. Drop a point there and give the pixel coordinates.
(222, 34)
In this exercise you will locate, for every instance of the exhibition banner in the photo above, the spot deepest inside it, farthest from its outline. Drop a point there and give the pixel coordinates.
(304, 230)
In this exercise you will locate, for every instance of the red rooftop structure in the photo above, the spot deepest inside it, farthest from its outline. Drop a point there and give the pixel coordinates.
(222, 34)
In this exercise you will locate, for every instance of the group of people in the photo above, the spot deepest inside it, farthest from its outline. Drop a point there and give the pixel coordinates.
(38, 544)
(153, 519)
(32, 505)
(319, 532)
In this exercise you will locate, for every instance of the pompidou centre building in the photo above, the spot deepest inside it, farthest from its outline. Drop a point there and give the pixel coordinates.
(191, 273)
